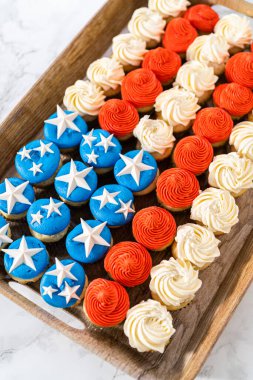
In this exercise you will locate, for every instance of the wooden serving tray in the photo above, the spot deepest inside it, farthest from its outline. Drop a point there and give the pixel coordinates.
(224, 282)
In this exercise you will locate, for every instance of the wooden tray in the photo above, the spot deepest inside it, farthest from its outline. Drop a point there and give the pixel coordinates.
(224, 282)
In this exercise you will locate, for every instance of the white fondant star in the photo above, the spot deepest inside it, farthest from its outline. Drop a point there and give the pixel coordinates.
(91, 236)
(62, 271)
(25, 153)
(22, 255)
(75, 178)
(36, 168)
(69, 292)
(52, 207)
(134, 166)
(14, 194)
(48, 291)
(89, 138)
(44, 148)
(92, 157)
(36, 217)
(106, 197)
(4, 238)
(125, 208)
(105, 142)
(63, 121)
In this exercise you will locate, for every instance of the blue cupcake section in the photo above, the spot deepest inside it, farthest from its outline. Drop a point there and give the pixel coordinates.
(4, 229)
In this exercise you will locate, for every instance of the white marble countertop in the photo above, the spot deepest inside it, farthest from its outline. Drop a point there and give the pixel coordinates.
(32, 34)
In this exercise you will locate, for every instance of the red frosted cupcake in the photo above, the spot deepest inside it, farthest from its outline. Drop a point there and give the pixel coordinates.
(213, 123)
(154, 227)
(236, 99)
(141, 88)
(193, 153)
(177, 189)
(202, 17)
(128, 263)
(179, 35)
(239, 69)
(164, 64)
(118, 117)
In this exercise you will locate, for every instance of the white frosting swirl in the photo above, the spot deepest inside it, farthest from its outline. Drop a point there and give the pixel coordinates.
(197, 244)
(84, 97)
(177, 106)
(146, 24)
(235, 29)
(175, 282)
(106, 73)
(148, 326)
(242, 139)
(154, 135)
(231, 172)
(216, 209)
(168, 7)
(128, 49)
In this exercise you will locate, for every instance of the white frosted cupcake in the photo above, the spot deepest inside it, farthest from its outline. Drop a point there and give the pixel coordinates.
(169, 9)
(241, 139)
(177, 107)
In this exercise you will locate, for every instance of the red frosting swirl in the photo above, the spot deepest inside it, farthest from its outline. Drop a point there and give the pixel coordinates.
(213, 123)
(154, 227)
(106, 302)
(234, 98)
(177, 188)
(179, 35)
(141, 88)
(239, 69)
(193, 153)
(129, 263)
(118, 117)
(202, 17)
(164, 63)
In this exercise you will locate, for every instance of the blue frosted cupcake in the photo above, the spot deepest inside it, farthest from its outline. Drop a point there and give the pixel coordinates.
(64, 284)
(113, 204)
(38, 162)
(137, 170)
(65, 129)
(100, 149)
(48, 219)
(5, 233)
(75, 183)
(89, 241)
(26, 259)
(16, 196)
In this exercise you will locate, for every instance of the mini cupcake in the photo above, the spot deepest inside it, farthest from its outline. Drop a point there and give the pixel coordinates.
(106, 73)
(231, 172)
(177, 107)
(5, 233)
(155, 137)
(106, 303)
(215, 209)
(147, 25)
(48, 219)
(174, 283)
(149, 326)
(141, 88)
(118, 117)
(137, 170)
(75, 183)
(16, 196)
(89, 241)
(164, 64)
(113, 204)
(179, 35)
(241, 139)
(128, 263)
(177, 189)
(26, 259)
(239, 69)
(214, 124)
(64, 284)
(128, 50)
(100, 149)
(196, 244)
(154, 228)
(193, 153)
(197, 77)
(169, 9)
(84, 97)
(202, 17)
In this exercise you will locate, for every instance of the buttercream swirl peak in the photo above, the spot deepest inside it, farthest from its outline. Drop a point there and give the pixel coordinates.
(242, 139)
(179, 34)
(202, 17)
(239, 69)
(106, 73)
(128, 49)
(235, 29)
(168, 8)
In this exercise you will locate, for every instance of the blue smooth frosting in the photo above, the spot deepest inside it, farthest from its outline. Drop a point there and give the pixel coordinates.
(3, 222)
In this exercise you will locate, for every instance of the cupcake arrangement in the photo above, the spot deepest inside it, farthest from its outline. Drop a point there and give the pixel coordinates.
(145, 122)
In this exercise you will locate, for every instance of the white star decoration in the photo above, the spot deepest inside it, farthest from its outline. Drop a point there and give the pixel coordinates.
(14, 194)
(53, 207)
(48, 291)
(75, 178)
(4, 238)
(89, 138)
(92, 157)
(63, 121)
(36, 217)
(125, 208)
(69, 292)
(25, 153)
(22, 255)
(106, 197)
(105, 142)
(44, 148)
(61, 272)
(91, 236)
(36, 168)
(134, 166)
